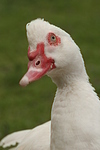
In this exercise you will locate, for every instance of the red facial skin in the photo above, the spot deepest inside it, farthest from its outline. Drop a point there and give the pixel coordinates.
(38, 58)
(39, 63)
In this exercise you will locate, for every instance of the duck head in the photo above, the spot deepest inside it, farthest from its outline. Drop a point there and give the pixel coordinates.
(51, 51)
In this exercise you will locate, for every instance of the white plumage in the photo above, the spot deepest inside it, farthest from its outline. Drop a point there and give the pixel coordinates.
(36, 138)
(75, 115)
(14, 138)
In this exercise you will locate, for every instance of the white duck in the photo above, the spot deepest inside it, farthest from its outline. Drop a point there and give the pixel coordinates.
(75, 116)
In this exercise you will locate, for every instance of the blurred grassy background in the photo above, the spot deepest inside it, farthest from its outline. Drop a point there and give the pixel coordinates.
(22, 108)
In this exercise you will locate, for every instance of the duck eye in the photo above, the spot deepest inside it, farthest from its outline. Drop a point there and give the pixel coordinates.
(53, 38)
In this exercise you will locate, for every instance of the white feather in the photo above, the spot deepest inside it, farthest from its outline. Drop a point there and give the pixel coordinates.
(13, 139)
(36, 138)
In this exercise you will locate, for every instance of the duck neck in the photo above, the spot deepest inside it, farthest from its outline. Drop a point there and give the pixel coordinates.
(64, 107)
(64, 79)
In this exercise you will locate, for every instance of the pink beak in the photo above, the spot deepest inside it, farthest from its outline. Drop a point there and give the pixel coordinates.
(38, 65)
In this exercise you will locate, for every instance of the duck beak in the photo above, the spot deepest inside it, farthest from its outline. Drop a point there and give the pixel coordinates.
(38, 65)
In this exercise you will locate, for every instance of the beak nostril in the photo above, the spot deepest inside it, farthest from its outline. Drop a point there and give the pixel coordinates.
(37, 63)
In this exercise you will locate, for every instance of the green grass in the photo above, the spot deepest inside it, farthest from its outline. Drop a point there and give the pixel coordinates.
(23, 108)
